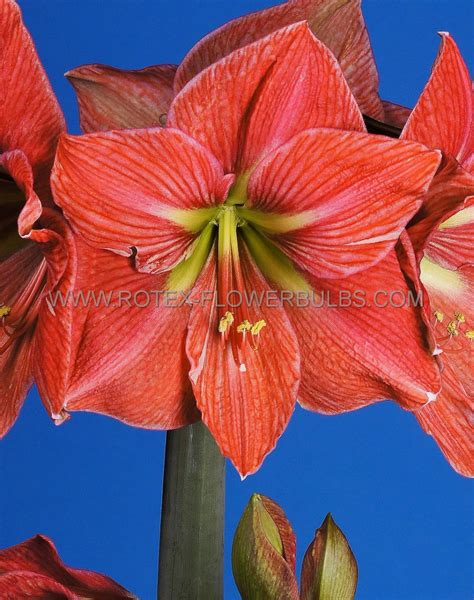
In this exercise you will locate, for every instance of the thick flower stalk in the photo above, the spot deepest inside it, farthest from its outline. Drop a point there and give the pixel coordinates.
(243, 192)
(33, 569)
(36, 246)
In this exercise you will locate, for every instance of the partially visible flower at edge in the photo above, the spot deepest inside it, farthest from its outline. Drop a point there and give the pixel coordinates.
(442, 234)
(36, 245)
(33, 569)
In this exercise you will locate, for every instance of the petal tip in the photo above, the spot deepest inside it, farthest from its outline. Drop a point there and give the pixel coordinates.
(61, 417)
(432, 396)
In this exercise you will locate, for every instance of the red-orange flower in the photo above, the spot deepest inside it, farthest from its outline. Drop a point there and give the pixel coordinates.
(35, 242)
(111, 98)
(246, 189)
(33, 569)
(442, 234)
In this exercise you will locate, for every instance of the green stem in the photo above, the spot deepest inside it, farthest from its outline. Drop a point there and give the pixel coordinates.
(192, 517)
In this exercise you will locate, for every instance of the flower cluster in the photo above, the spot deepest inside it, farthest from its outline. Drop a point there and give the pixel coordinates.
(247, 168)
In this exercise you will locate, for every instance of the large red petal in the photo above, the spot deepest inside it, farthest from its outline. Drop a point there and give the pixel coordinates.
(245, 406)
(36, 569)
(30, 117)
(260, 96)
(355, 193)
(358, 347)
(443, 116)
(450, 421)
(111, 98)
(119, 189)
(130, 360)
(54, 345)
(339, 24)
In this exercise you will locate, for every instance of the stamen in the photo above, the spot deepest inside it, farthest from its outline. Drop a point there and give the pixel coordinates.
(469, 334)
(439, 316)
(460, 317)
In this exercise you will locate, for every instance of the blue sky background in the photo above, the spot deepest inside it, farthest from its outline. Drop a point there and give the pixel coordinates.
(94, 485)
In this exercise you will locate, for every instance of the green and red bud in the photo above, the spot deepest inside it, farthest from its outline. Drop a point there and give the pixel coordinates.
(329, 569)
(264, 552)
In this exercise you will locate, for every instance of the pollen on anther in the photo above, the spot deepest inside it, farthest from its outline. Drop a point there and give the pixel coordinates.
(244, 326)
(439, 316)
(469, 334)
(257, 327)
(453, 328)
(226, 321)
(4, 311)
(459, 317)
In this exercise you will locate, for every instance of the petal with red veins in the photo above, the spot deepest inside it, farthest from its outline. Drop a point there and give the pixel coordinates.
(35, 568)
(450, 421)
(395, 114)
(260, 96)
(111, 98)
(54, 344)
(443, 115)
(447, 194)
(339, 24)
(354, 194)
(119, 189)
(451, 244)
(30, 117)
(248, 405)
(358, 346)
(130, 361)
(33, 586)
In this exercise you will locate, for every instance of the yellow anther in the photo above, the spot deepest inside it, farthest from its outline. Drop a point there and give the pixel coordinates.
(439, 316)
(453, 328)
(4, 311)
(244, 326)
(257, 327)
(469, 334)
(459, 317)
(226, 321)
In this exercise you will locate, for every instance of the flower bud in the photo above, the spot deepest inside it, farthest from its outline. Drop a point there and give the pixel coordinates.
(264, 553)
(329, 568)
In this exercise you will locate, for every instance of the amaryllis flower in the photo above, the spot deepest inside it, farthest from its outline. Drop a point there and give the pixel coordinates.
(33, 569)
(34, 241)
(443, 238)
(246, 190)
(112, 98)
